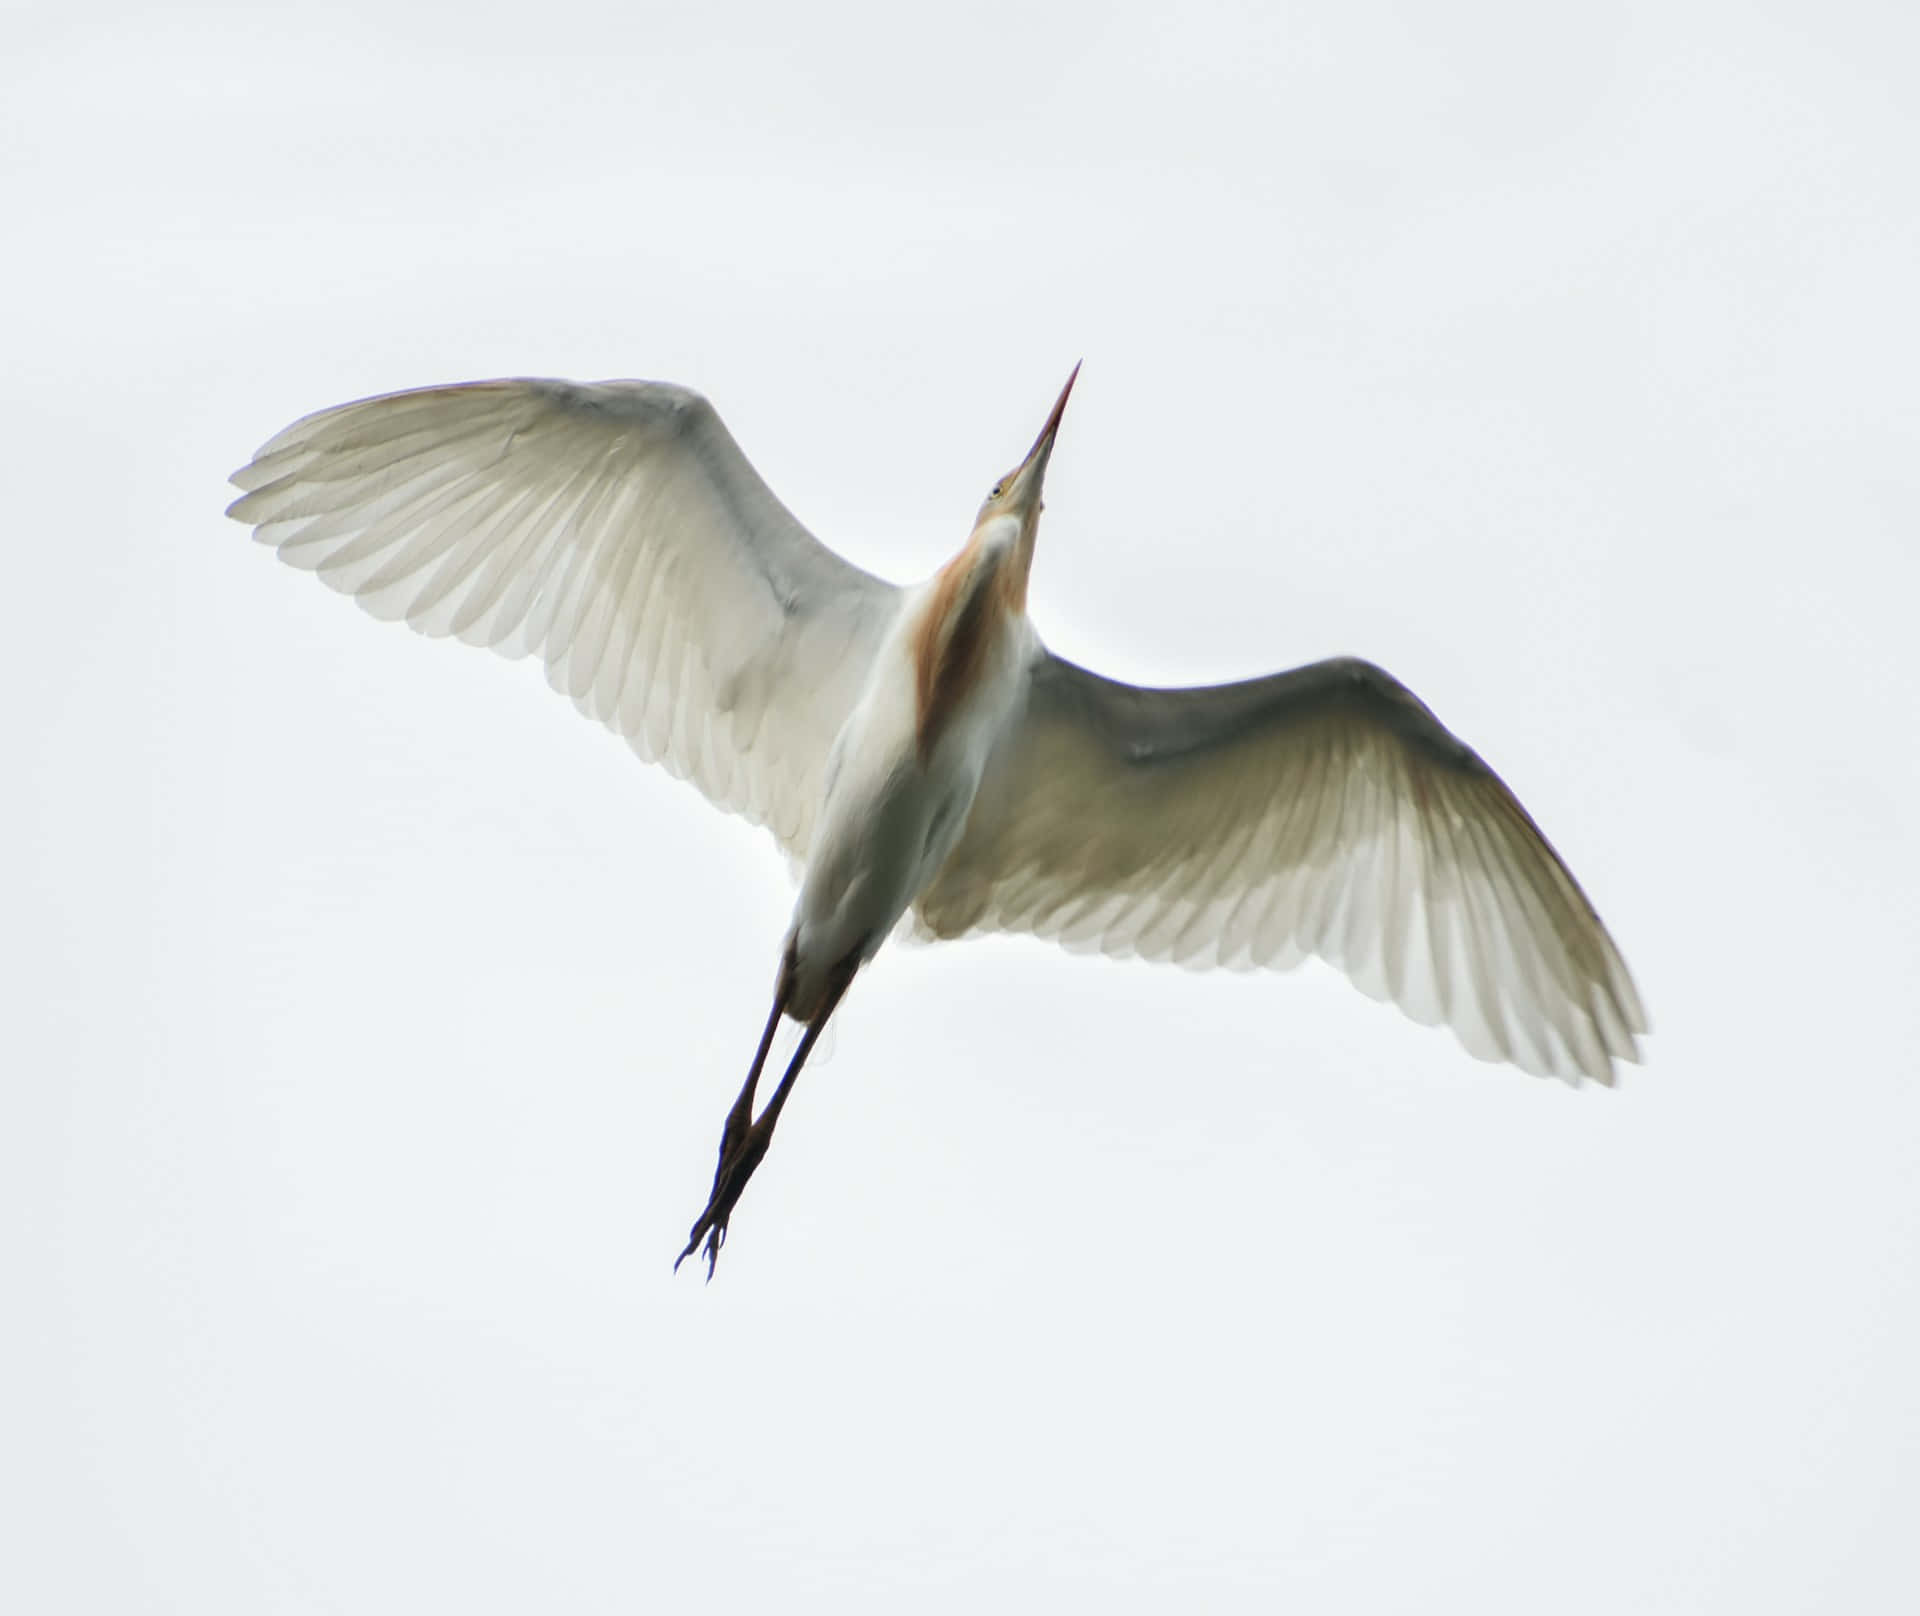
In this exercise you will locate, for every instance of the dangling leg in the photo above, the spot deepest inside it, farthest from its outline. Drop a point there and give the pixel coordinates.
(740, 1118)
(744, 1141)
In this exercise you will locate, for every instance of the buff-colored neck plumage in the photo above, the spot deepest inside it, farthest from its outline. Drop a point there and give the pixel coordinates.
(974, 599)
(981, 594)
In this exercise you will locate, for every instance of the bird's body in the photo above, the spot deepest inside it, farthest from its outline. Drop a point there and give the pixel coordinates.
(919, 751)
(905, 767)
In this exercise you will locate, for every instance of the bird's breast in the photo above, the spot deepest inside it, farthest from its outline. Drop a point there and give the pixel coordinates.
(905, 770)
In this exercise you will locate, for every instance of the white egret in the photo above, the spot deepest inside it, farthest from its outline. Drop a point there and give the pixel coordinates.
(919, 751)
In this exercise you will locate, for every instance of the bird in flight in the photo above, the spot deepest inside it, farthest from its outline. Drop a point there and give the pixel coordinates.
(919, 752)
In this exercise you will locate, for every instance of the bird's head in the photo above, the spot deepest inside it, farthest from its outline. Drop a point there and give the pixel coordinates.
(1016, 496)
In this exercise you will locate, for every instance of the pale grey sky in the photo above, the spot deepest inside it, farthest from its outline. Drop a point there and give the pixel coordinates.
(372, 1016)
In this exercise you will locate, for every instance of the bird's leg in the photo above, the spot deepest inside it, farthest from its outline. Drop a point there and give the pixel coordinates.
(744, 1141)
(740, 1118)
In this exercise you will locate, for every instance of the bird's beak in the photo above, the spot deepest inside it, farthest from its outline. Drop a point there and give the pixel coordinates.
(1033, 470)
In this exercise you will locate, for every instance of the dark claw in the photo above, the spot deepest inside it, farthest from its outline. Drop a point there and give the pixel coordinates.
(740, 1155)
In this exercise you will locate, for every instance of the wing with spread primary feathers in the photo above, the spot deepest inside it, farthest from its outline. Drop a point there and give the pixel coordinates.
(1321, 811)
(616, 531)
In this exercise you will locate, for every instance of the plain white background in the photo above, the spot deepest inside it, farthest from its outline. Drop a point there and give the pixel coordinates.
(370, 1017)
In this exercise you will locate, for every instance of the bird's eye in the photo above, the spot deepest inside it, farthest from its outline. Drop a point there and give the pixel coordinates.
(998, 489)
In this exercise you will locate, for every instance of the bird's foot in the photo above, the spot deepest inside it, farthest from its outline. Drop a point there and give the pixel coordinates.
(743, 1146)
(744, 1141)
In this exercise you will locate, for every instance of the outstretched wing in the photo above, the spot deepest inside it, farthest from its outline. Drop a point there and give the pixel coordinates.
(616, 531)
(1321, 811)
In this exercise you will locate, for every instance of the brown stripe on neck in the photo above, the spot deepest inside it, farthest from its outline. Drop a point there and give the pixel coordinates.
(973, 596)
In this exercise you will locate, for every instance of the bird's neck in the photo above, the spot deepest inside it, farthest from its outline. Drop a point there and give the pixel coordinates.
(974, 600)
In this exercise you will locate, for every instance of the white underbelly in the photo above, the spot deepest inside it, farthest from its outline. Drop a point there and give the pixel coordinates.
(890, 818)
